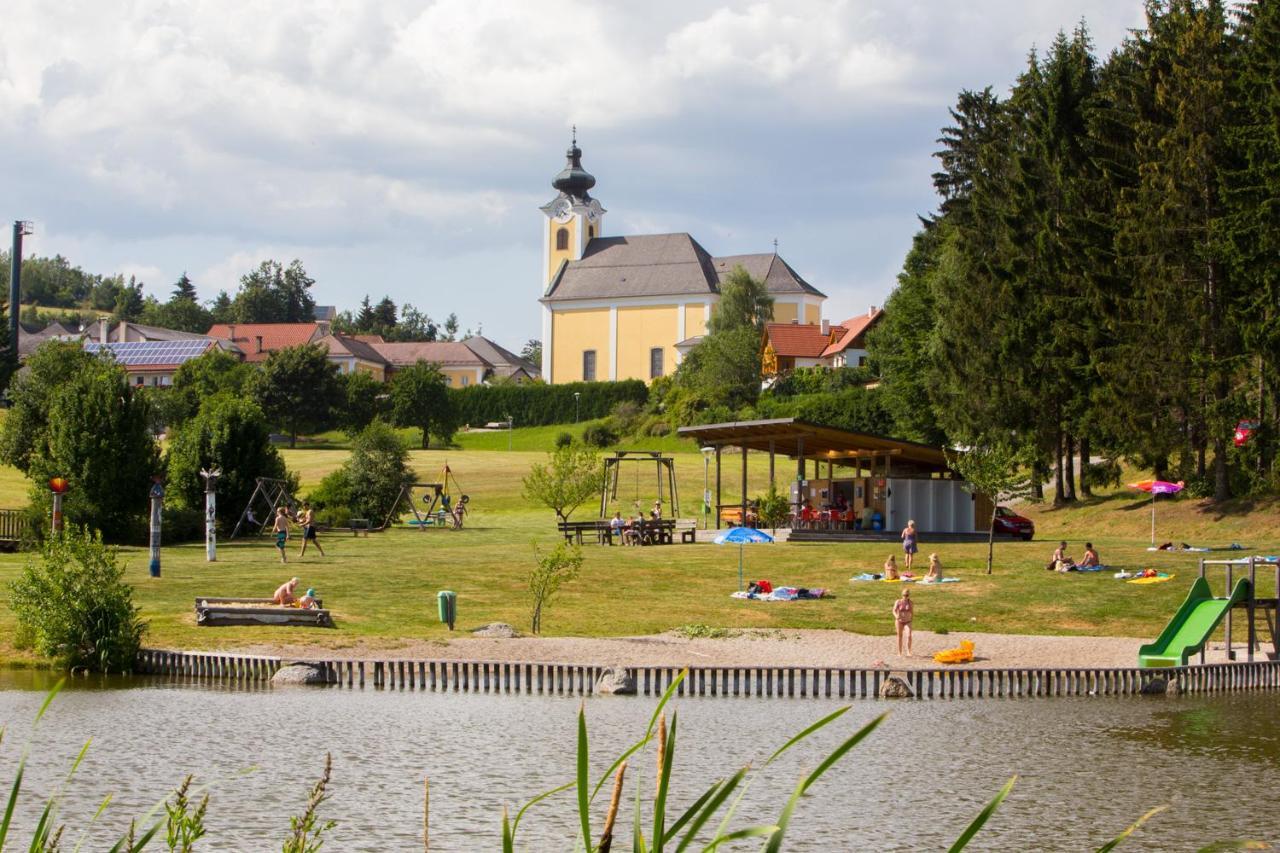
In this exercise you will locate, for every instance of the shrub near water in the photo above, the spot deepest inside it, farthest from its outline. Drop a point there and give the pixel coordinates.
(73, 605)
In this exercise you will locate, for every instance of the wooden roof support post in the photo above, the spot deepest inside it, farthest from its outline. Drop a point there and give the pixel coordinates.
(771, 477)
(799, 473)
(742, 519)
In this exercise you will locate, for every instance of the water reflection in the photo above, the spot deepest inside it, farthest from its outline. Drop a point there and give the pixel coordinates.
(1088, 767)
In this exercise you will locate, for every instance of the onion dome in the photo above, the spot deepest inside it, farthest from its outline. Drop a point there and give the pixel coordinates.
(574, 180)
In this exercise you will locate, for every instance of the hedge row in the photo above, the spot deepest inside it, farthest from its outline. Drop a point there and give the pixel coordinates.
(535, 404)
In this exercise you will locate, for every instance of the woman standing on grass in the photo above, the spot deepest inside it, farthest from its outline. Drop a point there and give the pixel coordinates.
(903, 611)
(909, 545)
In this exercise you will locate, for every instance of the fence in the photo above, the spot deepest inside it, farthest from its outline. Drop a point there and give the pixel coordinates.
(800, 682)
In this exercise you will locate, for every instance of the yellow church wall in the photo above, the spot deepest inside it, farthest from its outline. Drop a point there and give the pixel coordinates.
(813, 314)
(695, 322)
(641, 329)
(554, 256)
(784, 312)
(572, 333)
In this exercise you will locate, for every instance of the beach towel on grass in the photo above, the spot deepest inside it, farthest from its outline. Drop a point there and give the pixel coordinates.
(943, 580)
(1091, 568)
(786, 593)
(1161, 578)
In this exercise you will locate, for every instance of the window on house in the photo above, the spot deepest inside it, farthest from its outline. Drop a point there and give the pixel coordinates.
(139, 381)
(466, 380)
(589, 366)
(562, 239)
(655, 362)
(862, 361)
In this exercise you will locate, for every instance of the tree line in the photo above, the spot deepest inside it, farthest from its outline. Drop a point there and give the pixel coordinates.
(1099, 277)
(273, 292)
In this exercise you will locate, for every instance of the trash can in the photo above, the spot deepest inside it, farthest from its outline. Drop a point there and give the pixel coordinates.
(877, 521)
(447, 602)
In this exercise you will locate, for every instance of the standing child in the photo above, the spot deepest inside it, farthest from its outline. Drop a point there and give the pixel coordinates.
(902, 615)
(281, 530)
(308, 522)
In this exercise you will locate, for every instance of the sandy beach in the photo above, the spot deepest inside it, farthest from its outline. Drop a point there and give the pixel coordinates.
(750, 648)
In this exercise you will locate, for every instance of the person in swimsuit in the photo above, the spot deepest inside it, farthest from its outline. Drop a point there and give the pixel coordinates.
(935, 570)
(308, 601)
(284, 593)
(281, 530)
(308, 522)
(1090, 557)
(909, 546)
(891, 569)
(1060, 562)
(903, 611)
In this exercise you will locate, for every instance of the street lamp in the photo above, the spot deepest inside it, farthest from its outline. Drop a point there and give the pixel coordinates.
(510, 425)
(21, 228)
(576, 396)
(706, 484)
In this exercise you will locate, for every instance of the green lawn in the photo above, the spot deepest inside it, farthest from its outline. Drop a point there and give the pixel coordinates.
(382, 589)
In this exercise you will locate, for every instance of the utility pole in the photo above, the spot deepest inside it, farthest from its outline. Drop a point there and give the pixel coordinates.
(20, 228)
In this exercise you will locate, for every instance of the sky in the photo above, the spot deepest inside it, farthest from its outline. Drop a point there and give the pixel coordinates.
(403, 148)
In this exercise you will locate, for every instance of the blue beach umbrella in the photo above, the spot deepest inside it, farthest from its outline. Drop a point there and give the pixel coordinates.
(742, 536)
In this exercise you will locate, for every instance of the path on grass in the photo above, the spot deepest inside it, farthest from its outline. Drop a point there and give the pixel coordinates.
(819, 648)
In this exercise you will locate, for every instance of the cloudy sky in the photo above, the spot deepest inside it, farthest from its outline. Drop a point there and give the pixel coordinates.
(403, 148)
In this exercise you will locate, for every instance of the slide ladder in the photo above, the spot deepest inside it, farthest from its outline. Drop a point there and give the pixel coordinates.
(1190, 627)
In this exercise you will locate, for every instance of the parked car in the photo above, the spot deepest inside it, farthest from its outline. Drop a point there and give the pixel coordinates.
(1010, 523)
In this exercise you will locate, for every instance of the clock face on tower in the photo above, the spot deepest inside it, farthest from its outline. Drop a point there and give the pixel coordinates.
(563, 210)
(594, 211)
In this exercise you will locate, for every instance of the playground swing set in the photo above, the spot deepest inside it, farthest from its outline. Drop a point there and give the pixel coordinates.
(269, 494)
(1189, 630)
(441, 508)
(664, 468)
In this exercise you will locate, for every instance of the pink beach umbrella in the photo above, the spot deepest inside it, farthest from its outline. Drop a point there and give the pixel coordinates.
(1157, 487)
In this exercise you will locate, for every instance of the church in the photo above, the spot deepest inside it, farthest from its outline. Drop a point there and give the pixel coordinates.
(629, 307)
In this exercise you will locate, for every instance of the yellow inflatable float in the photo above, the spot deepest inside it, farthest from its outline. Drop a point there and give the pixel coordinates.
(964, 654)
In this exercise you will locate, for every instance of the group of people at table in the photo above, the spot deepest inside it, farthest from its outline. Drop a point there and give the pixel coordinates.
(835, 514)
(635, 529)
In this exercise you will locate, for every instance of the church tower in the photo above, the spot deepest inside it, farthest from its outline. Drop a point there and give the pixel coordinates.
(572, 218)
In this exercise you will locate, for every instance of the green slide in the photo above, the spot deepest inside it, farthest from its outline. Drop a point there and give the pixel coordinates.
(1190, 627)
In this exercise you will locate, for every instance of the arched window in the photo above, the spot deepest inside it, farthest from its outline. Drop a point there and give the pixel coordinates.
(562, 239)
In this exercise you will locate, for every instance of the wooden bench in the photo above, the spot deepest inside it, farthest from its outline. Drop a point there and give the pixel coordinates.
(688, 530)
(358, 526)
(653, 532)
(13, 526)
(573, 531)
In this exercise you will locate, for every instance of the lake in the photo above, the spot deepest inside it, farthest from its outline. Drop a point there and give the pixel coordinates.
(1087, 767)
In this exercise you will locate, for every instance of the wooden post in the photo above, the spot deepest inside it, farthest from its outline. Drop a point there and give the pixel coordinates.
(743, 518)
(771, 477)
(1231, 655)
(799, 475)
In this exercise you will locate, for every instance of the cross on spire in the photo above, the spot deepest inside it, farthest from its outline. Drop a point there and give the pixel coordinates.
(575, 134)
(775, 245)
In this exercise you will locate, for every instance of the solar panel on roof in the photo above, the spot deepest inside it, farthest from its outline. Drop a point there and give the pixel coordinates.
(147, 353)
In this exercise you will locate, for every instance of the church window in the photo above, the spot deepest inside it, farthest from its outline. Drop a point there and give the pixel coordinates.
(591, 232)
(589, 366)
(655, 362)
(562, 239)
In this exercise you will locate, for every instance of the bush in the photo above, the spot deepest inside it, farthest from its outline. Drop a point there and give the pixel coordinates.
(74, 606)
(377, 471)
(1103, 474)
(332, 499)
(626, 417)
(599, 435)
(539, 404)
(564, 439)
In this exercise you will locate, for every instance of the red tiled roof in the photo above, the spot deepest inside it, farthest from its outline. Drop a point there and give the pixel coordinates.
(800, 340)
(274, 336)
(446, 353)
(855, 330)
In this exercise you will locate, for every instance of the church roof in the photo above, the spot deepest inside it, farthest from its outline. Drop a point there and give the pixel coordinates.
(662, 265)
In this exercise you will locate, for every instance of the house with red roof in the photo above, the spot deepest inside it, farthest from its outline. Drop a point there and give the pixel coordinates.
(259, 340)
(788, 346)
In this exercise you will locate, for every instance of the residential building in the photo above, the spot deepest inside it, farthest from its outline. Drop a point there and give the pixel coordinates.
(259, 340)
(153, 363)
(455, 359)
(505, 364)
(788, 346)
(353, 354)
(108, 331)
(625, 307)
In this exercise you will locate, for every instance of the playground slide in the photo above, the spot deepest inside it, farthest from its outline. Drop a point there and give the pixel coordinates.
(1190, 627)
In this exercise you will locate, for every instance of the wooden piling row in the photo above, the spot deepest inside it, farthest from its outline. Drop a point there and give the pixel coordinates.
(746, 681)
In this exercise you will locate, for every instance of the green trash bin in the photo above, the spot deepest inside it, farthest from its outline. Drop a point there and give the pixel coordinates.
(447, 602)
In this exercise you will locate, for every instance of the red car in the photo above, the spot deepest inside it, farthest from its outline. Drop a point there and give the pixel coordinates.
(1010, 523)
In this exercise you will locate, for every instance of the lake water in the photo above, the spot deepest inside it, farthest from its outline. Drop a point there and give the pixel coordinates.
(1087, 767)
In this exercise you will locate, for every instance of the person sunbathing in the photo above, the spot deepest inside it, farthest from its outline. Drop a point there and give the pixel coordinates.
(1090, 558)
(1060, 562)
(891, 569)
(935, 570)
(284, 593)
